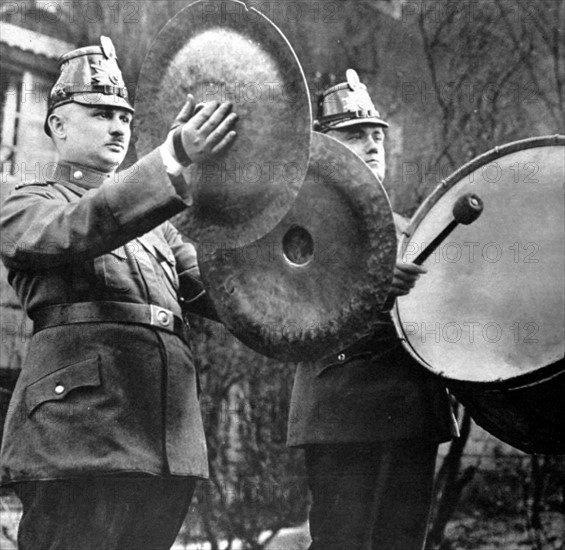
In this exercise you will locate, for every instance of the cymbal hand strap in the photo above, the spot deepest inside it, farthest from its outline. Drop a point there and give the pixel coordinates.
(180, 153)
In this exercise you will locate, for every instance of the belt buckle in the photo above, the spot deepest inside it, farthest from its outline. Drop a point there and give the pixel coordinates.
(161, 317)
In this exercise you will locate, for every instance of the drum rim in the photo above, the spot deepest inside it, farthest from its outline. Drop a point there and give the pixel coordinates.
(471, 166)
(551, 370)
(522, 381)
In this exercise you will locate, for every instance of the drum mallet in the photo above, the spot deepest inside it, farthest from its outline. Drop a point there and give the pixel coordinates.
(466, 210)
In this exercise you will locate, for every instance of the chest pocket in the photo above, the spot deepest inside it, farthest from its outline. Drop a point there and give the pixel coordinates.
(162, 255)
(114, 270)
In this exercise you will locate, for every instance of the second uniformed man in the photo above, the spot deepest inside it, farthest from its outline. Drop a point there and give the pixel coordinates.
(369, 418)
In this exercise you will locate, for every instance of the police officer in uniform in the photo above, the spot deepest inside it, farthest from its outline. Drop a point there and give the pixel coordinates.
(103, 439)
(369, 418)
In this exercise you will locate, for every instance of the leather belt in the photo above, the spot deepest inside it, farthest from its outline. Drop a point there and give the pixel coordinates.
(370, 345)
(110, 312)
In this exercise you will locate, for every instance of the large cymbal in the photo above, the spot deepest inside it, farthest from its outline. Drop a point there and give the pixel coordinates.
(316, 282)
(221, 50)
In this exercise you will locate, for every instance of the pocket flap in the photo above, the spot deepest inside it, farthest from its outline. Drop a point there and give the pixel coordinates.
(157, 247)
(57, 385)
(119, 252)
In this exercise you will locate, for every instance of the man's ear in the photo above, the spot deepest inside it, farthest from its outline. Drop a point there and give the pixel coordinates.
(57, 125)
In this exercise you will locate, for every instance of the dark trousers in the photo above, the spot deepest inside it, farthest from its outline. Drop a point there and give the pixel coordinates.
(373, 496)
(112, 513)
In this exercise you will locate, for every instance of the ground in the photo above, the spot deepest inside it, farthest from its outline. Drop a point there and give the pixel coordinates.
(463, 533)
(480, 533)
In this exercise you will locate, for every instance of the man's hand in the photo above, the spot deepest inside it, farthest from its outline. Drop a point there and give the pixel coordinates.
(200, 132)
(405, 277)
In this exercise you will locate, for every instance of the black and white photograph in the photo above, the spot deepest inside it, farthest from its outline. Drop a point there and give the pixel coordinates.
(282, 275)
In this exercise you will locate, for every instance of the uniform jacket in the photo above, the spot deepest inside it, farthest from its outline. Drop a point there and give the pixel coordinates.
(101, 398)
(373, 391)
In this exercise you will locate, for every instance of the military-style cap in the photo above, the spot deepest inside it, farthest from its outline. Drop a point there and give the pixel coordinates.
(346, 104)
(89, 76)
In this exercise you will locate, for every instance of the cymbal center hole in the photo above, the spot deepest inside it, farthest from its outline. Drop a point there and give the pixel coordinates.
(298, 245)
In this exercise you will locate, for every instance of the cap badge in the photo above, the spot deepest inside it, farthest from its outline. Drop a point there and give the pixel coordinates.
(101, 74)
(358, 100)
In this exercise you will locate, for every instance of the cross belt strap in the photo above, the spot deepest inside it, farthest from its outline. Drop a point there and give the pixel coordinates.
(110, 312)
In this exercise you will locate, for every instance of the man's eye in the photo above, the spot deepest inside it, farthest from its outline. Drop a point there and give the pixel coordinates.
(353, 137)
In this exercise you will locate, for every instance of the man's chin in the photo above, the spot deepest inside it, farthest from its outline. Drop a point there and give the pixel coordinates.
(110, 162)
(378, 169)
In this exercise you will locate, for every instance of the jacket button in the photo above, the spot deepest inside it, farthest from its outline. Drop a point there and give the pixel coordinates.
(59, 389)
(341, 357)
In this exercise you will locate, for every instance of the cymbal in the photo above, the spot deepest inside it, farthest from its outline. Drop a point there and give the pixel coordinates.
(227, 52)
(317, 281)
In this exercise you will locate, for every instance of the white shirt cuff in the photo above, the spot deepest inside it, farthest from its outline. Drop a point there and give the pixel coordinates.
(172, 167)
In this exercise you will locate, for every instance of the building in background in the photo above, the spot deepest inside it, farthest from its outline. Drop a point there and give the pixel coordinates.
(33, 34)
(31, 41)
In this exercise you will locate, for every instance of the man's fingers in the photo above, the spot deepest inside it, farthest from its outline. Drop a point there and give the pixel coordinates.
(221, 130)
(204, 114)
(217, 118)
(408, 267)
(397, 291)
(186, 111)
(209, 130)
(225, 143)
(403, 283)
(405, 277)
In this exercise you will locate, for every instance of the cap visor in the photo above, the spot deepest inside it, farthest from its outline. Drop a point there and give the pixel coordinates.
(94, 99)
(355, 121)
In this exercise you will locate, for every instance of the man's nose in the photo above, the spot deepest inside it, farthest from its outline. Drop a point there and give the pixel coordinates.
(371, 146)
(118, 126)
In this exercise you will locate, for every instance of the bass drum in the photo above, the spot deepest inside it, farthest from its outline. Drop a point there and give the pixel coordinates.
(488, 316)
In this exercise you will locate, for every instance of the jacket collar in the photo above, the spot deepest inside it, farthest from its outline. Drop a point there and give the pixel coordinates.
(87, 178)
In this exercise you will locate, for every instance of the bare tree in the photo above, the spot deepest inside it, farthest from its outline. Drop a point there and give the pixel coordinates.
(496, 71)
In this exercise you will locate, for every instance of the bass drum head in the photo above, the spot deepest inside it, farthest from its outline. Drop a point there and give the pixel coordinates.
(491, 307)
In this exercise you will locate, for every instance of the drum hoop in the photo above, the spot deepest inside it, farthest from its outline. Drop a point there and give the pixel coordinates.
(466, 169)
(520, 382)
(551, 370)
